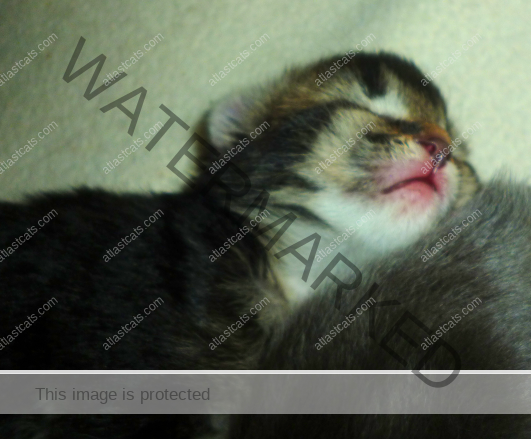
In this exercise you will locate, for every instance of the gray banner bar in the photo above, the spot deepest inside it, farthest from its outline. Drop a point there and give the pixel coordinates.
(262, 393)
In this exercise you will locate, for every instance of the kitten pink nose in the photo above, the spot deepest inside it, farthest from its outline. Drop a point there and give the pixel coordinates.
(428, 146)
(434, 140)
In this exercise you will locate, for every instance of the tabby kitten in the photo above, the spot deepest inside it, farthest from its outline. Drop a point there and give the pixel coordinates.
(358, 144)
(107, 259)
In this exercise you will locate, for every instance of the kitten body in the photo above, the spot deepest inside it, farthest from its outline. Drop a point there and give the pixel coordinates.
(473, 296)
(475, 291)
(156, 304)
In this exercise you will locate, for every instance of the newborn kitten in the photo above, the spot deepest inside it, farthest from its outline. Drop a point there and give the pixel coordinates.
(483, 268)
(159, 299)
(466, 307)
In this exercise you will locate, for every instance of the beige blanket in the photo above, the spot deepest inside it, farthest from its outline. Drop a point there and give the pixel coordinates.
(479, 53)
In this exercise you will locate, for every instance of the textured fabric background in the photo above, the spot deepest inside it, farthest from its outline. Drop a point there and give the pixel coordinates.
(488, 83)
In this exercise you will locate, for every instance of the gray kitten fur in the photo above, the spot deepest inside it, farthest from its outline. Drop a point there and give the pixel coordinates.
(488, 260)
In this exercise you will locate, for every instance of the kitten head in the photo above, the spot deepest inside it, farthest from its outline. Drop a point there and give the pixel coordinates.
(367, 137)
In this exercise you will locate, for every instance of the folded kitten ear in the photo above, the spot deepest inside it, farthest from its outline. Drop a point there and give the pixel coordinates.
(231, 118)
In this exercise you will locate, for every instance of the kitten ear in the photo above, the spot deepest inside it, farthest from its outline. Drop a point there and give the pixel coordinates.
(231, 117)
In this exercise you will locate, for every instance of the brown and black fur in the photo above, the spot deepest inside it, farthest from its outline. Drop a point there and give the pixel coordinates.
(306, 124)
(171, 259)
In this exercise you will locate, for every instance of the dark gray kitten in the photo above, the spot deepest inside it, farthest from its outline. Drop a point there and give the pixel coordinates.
(473, 294)
(468, 306)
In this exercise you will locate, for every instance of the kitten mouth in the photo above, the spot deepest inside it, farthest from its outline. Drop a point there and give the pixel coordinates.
(414, 179)
(428, 180)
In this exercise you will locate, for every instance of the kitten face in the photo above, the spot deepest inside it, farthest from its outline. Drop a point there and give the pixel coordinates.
(382, 173)
(370, 138)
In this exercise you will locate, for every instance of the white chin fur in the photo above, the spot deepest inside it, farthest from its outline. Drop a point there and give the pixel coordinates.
(380, 228)
(392, 223)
